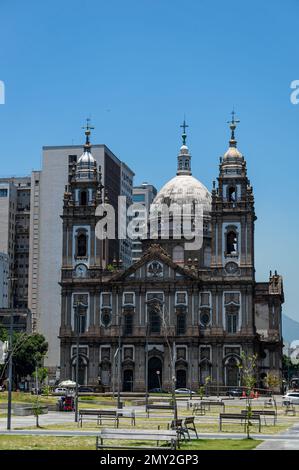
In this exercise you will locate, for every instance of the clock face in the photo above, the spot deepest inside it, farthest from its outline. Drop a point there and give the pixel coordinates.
(231, 268)
(81, 270)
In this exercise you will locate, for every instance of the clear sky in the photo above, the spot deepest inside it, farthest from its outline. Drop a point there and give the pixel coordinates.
(135, 67)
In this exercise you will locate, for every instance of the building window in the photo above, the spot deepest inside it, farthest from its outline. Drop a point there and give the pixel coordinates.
(106, 299)
(80, 307)
(128, 353)
(232, 350)
(181, 353)
(181, 323)
(128, 327)
(232, 242)
(3, 192)
(181, 298)
(205, 353)
(81, 245)
(232, 317)
(129, 298)
(83, 198)
(231, 194)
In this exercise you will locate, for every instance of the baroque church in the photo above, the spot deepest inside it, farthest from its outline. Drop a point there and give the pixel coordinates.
(177, 316)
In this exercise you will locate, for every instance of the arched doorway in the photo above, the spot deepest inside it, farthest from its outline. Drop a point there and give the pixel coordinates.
(181, 378)
(128, 380)
(154, 373)
(232, 376)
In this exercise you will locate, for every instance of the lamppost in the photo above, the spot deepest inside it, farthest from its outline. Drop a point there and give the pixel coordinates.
(77, 307)
(119, 365)
(9, 395)
(146, 365)
(159, 380)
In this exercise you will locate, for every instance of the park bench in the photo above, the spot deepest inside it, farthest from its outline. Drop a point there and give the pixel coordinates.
(113, 415)
(238, 416)
(168, 436)
(208, 403)
(183, 426)
(198, 409)
(98, 415)
(158, 407)
(262, 413)
(290, 409)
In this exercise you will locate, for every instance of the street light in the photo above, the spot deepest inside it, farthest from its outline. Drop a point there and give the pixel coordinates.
(9, 395)
(158, 374)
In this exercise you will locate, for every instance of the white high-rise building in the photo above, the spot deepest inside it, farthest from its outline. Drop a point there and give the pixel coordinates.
(143, 194)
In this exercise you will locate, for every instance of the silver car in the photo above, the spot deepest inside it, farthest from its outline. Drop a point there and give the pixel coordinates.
(291, 397)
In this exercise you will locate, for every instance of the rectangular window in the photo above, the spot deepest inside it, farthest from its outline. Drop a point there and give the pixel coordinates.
(181, 353)
(205, 353)
(3, 192)
(205, 298)
(129, 298)
(128, 330)
(138, 197)
(232, 350)
(106, 300)
(181, 298)
(232, 322)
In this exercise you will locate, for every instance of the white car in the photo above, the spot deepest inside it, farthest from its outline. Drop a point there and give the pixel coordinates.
(184, 391)
(291, 397)
(60, 391)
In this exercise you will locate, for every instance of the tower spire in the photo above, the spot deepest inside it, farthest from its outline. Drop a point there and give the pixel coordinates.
(233, 124)
(87, 128)
(184, 135)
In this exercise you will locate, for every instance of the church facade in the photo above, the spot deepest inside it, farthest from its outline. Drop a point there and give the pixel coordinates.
(177, 316)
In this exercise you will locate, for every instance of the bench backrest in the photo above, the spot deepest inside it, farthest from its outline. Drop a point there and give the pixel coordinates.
(236, 415)
(159, 407)
(260, 412)
(138, 435)
(98, 412)
(189, 420)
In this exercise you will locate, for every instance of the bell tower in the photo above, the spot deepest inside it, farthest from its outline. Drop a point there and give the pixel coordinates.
(233, 215)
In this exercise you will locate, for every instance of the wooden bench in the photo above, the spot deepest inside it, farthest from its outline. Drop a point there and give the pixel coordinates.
(168, 436)
(262, 413)
(100, 415)
(198, 409)
(209, 403)
(240, 417)
(158, 407)
(290, 409)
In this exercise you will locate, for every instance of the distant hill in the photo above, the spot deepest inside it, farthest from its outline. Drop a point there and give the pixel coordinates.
(290, 329)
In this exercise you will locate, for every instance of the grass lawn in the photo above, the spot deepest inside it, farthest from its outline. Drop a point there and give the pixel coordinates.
(88, 443)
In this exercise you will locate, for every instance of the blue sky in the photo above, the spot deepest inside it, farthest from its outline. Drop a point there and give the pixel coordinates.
(136, 67)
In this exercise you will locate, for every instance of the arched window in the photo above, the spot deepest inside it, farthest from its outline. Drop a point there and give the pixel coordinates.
(231, 194)
(83, 198)
(82, 245)
(231, 242)
(178, 254)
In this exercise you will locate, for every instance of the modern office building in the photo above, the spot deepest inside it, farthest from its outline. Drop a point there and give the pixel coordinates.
(4, 276)
(142, 195)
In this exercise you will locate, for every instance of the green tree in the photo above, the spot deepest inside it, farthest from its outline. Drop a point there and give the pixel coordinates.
(248, 375)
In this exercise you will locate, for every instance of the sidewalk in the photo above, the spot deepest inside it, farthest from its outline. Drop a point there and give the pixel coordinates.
(287, 440)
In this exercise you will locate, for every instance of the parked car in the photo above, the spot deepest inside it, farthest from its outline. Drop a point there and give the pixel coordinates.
(235, 392)
(85, 389)
(157, 390)
(291, 397)
(184, 391)
(60, 390)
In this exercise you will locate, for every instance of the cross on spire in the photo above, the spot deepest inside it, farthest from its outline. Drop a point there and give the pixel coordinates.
(233, 126)
(184, 135)
(87, 128)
